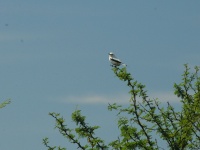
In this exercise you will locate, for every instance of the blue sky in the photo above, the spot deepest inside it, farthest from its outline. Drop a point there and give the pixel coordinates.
(54, 56)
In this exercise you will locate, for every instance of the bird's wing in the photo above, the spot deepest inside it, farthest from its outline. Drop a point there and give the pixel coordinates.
(115, 60)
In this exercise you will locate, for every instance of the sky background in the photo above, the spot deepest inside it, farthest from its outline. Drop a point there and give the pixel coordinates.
(54, 58)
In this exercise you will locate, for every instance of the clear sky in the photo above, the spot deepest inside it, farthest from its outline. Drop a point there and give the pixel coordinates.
(54, 56)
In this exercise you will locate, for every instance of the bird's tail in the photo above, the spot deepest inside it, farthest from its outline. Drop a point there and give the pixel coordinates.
(124, 64)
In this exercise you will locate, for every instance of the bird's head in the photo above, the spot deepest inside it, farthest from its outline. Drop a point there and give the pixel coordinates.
(111, 54)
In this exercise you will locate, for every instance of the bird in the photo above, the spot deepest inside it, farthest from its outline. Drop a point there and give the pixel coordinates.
(114, 60)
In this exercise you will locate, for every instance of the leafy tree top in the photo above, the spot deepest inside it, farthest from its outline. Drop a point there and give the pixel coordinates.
(142, 120)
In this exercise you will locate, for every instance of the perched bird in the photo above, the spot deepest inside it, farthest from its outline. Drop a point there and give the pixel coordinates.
(114, 60)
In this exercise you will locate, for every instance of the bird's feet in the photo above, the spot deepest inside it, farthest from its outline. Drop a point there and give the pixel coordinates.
(113, 66)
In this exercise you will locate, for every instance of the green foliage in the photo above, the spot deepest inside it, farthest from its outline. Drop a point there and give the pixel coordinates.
(83, 131)
(144, 122)
(3, 104)
(189, 118)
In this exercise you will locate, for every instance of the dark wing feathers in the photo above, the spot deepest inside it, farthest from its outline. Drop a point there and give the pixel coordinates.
(116, 60)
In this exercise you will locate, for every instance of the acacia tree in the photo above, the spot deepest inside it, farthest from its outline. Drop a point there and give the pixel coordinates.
(144, 122)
